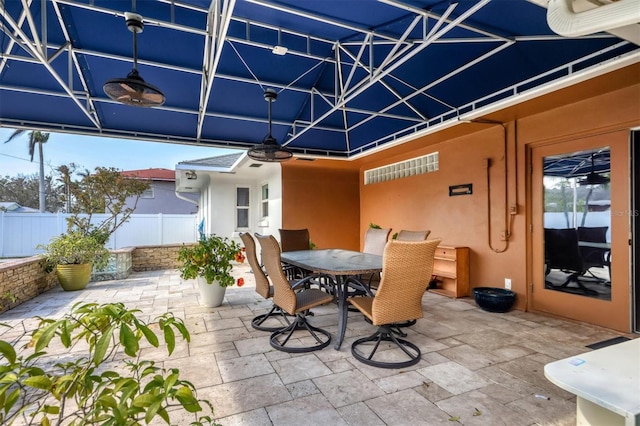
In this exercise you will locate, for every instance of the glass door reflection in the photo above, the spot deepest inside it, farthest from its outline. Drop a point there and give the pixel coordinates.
(577, 223)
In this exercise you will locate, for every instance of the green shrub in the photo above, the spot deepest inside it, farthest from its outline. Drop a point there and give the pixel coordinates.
(81, 389)
(74, 248)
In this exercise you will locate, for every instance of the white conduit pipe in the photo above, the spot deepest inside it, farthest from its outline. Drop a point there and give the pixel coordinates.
(182, 197)
(565, 22)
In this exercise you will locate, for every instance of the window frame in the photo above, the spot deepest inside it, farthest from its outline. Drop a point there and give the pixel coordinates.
(238, 208)
(264, 202)
(151, 189)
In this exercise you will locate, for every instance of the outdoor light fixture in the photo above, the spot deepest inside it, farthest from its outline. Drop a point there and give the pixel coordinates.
(133, 90)
(279, 50)
(191, 175)
(594, 178)
(269, 150)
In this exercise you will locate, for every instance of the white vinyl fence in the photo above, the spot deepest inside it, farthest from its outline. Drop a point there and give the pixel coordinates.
(20, 233)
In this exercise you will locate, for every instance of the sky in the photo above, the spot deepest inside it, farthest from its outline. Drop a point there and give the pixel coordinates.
(90, 152)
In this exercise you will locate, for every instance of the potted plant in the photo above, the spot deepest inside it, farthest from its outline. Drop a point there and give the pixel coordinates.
(209, 261)
(73, 255)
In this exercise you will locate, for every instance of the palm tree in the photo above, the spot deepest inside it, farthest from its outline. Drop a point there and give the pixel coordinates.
(36, 138)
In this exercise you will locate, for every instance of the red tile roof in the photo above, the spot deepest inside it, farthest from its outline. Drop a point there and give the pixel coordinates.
(152, 174)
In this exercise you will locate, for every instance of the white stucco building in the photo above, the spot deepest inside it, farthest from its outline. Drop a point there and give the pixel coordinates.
(237, 194)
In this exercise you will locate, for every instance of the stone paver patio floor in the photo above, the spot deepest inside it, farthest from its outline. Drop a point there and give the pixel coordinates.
(477, 368)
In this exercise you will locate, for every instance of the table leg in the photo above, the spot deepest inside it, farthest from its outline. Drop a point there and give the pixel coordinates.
(343, 310)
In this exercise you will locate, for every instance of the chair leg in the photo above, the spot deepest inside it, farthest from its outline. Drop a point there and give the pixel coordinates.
(397, 326)
(573, 277)
(257, 321)
(386, 333)
(405, 324)
(280, 338)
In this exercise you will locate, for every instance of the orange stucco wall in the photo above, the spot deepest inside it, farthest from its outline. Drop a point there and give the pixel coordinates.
(423, 202)
(322, 196)
(599, 106)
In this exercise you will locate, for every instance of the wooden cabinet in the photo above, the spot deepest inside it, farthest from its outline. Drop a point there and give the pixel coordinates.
(451, 268)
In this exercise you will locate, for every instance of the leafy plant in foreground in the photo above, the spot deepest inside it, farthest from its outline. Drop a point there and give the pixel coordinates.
(89, 386)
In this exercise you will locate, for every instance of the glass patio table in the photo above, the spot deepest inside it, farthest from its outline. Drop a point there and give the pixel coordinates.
(340, 264)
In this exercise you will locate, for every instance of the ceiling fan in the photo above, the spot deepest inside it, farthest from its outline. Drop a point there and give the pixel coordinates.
(133, 90)
(594, 178)
(269, 150)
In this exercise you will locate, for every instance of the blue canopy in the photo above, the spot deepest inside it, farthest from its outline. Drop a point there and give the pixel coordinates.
(355, 74)
(578, 164)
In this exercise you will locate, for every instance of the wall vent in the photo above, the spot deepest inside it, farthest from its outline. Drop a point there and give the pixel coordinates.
(415, 166)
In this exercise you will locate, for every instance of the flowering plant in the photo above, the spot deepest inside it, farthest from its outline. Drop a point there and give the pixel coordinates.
(240, 257)
(209, 258)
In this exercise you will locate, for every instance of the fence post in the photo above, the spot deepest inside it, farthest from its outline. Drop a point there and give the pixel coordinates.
(161, 226)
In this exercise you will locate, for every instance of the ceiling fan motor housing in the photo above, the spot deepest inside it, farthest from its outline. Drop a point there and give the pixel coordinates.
(270, 95)
(134, 22)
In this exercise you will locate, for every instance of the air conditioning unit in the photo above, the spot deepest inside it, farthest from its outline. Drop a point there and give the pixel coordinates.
(574, 18)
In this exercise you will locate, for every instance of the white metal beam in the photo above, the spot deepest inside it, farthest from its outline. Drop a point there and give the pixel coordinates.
(434, 83)
(387, 86)
(368, 82)
(35, 52)
(13, 41)
(76, 64)
(218, 19)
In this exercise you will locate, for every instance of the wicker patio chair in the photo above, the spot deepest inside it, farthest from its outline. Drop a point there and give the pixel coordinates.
(592, 256)
(263, 288)
(405, 266)
(375, 239)
(293, 302)
(294, 240)
(562, 252)
(405, 235)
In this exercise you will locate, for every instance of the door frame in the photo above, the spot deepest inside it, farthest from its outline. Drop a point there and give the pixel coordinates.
(614, 314)
(635, 227)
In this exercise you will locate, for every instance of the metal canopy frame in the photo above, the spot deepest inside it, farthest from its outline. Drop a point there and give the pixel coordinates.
(349, 83)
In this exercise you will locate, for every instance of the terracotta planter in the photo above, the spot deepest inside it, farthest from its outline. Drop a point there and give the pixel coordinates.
(74, 277)
(211, 295)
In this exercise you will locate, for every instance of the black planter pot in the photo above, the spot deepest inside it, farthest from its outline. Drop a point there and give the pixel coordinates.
(494, 299)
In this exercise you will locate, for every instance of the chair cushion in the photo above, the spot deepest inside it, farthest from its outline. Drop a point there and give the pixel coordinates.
(375, 240)
(294, 239)
(363, 304)
(310, 298)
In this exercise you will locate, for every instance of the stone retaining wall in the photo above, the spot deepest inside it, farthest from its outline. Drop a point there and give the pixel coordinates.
(152, 258)
(24, 279)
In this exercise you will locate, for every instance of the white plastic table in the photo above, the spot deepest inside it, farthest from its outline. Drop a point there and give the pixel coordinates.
(606, 382)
